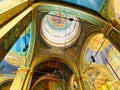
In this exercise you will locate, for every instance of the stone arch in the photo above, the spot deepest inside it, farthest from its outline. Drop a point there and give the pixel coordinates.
(88, 16)
(6, 80)
(6, 84)
(63, 57)
(48, 77)
(50, 53)
(32, 43)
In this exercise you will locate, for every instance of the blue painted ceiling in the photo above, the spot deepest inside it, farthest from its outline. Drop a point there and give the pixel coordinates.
(91, 4)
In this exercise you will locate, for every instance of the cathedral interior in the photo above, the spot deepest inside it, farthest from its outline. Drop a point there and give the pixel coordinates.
(59, 44)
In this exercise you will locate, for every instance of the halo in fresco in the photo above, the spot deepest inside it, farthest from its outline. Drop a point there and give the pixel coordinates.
(117, 8)
(58, 31)
(96, 42)
(14, 59)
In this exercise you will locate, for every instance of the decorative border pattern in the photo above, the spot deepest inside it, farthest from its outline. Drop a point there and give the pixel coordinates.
(32, 44)
(69, 10)
(4, 16)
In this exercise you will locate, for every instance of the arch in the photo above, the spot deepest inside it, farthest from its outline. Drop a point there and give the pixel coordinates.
(63, 57)
(5, 84)
(6, 80)
(91, 31)
(47, 7)
(48, 77)
(50, 53)
(32, 43)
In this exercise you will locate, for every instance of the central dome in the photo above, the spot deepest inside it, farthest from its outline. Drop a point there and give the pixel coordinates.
(58, 31)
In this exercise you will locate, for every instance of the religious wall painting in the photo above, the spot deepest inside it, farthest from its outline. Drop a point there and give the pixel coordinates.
(93, 47)
(16, 56)
(117, 8)
(107, 51)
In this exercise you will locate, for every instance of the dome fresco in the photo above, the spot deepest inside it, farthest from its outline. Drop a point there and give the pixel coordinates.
(58, 31)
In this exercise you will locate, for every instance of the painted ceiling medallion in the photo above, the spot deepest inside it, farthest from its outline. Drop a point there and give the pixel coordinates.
(58, 31)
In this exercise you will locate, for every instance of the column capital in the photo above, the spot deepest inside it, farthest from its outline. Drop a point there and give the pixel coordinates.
(24, 70)
(106, 30)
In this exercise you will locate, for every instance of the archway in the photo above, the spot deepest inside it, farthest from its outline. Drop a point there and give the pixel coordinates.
(100, 70)
(53, 64)
(51, 72)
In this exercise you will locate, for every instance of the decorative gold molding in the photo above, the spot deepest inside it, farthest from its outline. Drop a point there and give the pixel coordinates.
(116, 24)
(106, 30)
(12, 12)
(47, 7)
(8, 31)
(23, 69)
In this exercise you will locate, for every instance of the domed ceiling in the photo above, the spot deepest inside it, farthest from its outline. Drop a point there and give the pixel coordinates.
(58, 31)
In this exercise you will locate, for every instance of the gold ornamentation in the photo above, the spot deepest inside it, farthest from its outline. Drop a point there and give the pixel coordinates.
(16, 32)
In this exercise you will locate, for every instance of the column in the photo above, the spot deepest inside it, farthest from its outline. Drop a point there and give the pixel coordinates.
(20, 78)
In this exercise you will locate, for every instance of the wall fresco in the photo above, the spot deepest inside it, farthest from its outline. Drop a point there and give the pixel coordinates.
(93, 46)
(10, 38)
(107, 51)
